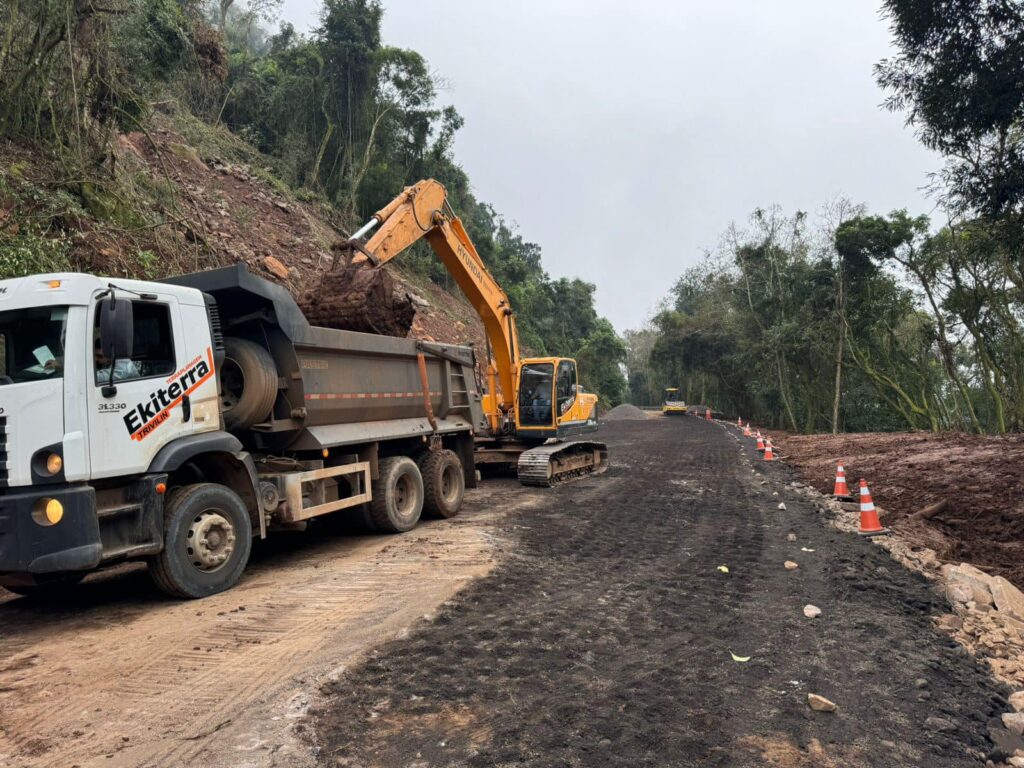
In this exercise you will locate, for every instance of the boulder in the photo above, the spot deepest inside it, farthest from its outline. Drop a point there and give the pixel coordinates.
(1016, 701)
(1007, 597)
(1014, 722)
(978, 581)
(959, 594)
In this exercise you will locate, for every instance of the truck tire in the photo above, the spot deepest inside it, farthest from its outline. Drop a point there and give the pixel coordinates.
(207, 540)
(248, 379)
(46, 587)
(397, 495)
(444, 484)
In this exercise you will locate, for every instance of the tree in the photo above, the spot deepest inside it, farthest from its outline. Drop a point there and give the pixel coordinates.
(959, 76)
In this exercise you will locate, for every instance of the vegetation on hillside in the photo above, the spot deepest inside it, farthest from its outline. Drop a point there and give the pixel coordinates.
(337, 116)
(846, 320)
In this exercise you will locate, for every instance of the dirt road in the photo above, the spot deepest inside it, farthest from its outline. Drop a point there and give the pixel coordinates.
(603, 636)
(116, 675)
(606, 638)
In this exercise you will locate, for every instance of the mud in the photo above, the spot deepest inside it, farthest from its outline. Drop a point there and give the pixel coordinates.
(979, 478)
(607, 637)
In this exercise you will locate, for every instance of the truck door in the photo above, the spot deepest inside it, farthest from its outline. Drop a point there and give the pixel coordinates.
(128, 426)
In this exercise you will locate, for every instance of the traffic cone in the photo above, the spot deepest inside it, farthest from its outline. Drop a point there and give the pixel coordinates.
(739, 422)
(760, 442)
(769, 455)
(707, 414)
(746, 430)
(869, 523)
(842, 490)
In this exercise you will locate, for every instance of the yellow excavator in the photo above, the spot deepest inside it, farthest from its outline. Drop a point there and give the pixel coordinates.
(531, 404)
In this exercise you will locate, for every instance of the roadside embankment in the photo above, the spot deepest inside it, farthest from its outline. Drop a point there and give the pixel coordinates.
(957, 494)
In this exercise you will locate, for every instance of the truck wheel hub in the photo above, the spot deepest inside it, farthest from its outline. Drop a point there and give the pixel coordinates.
(211, 540)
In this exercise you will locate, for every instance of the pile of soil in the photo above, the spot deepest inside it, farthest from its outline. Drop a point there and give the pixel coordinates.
(978, 478)
(625, 412)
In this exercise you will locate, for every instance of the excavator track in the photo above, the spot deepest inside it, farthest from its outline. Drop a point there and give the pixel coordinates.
(558, 463)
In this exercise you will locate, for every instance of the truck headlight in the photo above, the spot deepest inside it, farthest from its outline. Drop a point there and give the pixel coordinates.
(47, 512)
(54, 463)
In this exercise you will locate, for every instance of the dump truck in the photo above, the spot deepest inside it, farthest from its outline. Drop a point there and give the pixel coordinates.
(173, 422)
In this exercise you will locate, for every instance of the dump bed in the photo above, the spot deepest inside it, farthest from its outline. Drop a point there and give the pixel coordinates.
(338, 387)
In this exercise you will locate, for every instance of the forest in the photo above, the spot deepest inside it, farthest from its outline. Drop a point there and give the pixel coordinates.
(336, 115)
(851, 319)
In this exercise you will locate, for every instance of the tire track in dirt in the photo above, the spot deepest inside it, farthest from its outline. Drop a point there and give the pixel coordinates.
(117, 676)
(605, 638)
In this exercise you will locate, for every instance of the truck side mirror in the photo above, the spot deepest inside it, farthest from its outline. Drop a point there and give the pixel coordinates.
(116, 328)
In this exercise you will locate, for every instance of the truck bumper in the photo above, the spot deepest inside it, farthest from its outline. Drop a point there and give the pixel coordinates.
(73, 544)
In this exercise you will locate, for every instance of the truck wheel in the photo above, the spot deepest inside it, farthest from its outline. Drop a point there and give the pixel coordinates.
(397, 495)
(444, 485)
(248, 380)
(44, 587)
(207, 539)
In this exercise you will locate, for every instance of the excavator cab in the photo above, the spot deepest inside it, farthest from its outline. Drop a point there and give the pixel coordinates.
(551, 402)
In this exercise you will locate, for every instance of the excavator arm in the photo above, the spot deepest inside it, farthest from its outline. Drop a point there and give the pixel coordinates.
(422, 211)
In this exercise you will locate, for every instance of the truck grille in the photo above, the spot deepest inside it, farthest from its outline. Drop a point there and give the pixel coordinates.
(3, 451)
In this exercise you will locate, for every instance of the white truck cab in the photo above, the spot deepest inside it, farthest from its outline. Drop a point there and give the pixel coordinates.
(72, 420)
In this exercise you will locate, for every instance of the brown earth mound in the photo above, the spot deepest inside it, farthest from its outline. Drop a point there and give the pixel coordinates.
(959, 494)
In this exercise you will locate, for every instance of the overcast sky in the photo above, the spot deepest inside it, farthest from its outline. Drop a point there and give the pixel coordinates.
(625, 137)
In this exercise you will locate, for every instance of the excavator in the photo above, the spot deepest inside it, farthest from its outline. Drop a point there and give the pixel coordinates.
(531, 403)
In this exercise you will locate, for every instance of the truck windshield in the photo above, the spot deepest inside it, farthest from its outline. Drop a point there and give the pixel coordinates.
(32, 344)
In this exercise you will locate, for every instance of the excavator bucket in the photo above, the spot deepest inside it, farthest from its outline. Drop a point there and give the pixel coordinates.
(359, 297)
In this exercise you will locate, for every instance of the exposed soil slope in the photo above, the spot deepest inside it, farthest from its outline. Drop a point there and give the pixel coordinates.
(194, 198)
(606, 639)
(979, 478)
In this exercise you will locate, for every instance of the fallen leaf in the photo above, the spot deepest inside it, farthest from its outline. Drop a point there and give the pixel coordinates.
(740, 659)
(723, 568)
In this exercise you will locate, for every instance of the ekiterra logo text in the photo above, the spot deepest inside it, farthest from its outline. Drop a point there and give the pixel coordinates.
(146, 416)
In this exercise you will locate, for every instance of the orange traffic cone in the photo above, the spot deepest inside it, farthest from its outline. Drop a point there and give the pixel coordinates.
(769, 455)
(760, 442)
(869, 523)
(746, 430)
(739, 422)
(842, 490)
(707, 414)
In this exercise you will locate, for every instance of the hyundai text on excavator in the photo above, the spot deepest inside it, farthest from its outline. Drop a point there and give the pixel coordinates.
(531, 404)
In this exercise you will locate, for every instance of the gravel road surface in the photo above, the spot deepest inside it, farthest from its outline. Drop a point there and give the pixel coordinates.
(612, 636)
